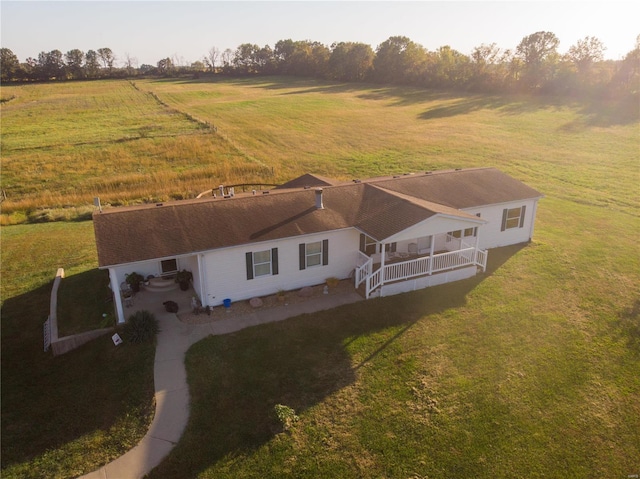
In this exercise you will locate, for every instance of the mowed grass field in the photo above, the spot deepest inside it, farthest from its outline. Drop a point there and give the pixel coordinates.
(532, 370)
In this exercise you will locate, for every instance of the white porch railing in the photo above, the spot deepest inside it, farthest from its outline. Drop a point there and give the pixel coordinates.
(453, 259)
(373, 281)
(481, 258)
(364, 268)
(418, 267)
(407, 269)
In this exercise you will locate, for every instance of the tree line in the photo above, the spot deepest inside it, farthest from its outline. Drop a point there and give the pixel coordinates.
(534, 66)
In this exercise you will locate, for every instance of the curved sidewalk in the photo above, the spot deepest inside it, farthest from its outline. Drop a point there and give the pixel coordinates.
(170, 376)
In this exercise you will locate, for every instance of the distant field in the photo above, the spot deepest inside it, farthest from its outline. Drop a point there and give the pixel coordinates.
(114, 140)
(532, 370)
(63, 144)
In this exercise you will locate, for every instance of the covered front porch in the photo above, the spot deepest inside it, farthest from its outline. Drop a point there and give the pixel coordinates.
(434, 257)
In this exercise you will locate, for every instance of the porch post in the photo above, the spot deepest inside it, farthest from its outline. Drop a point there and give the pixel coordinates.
(382, 254)
(484, 266)
(433, 243)
(117, 296)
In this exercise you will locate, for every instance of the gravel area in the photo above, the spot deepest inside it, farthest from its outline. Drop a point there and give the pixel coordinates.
(243, 307)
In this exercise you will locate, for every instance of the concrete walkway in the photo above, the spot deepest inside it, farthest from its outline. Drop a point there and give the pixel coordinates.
(170, 377)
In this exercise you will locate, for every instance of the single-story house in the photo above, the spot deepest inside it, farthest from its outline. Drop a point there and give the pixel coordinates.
(389, 234)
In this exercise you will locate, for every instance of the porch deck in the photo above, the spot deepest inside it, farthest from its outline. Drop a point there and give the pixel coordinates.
(399, 268)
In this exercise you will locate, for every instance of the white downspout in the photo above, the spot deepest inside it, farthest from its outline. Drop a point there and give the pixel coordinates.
(533, 219)
(203, 278)
(117, 297)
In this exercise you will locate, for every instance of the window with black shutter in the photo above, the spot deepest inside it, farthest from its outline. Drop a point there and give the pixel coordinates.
(262, 263)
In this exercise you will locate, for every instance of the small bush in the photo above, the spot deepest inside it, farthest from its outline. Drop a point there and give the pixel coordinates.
(286, 415)
(140, 327)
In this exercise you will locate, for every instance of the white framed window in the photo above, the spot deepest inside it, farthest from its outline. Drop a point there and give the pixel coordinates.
(513, 218)
(314, 254)
(454, 234)
(262, 263)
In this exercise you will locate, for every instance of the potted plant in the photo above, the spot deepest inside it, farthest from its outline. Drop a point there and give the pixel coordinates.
(184, 278)
(332, 282)
(134, 279)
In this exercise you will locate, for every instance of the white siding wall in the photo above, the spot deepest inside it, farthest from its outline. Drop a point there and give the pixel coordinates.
(226, 274)
(490, 235)
(147, 268)
(432, 226)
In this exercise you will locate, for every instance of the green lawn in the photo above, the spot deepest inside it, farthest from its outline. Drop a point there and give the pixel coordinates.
(70, 414)
(529, 371)
(532, 370)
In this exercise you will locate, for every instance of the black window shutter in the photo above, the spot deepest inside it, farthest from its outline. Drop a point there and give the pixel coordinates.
(274, 261)
(522, 215)
(362, 243)
(303, 255)
(249, 257)
(504, 219)
(325, 252)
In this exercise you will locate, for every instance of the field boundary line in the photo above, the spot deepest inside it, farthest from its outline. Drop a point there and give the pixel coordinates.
(203, 123)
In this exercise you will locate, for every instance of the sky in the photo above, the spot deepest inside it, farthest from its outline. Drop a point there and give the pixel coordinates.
(149, 31)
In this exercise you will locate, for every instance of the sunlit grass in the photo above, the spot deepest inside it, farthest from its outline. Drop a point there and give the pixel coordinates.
(525, 372)
(290, 127)
(530, 371)
(347, 131)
